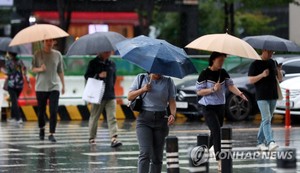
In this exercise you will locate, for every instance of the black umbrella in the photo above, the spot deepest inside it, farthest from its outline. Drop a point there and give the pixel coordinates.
(92, 44)
(5, 41)
(270, 42)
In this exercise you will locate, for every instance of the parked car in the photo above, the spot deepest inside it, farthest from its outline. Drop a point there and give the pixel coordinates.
(236, 109)
(293, 85)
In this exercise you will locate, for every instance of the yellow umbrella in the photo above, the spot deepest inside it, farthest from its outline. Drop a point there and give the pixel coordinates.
(224, 43)
(37, 32)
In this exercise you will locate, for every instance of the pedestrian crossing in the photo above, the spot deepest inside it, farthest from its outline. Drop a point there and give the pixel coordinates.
(21, 151)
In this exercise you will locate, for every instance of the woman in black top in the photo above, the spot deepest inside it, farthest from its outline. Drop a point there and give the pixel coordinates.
(211, 85)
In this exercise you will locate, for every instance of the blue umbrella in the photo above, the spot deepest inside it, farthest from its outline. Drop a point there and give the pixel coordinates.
(156, 56)
(20, 49)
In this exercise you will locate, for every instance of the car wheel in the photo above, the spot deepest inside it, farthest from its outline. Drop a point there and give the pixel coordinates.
(236, 108)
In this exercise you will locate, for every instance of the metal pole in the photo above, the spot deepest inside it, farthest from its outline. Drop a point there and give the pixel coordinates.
(286, 160)
(172, 154)
(199, 156)
(287, 110)
(226, 150)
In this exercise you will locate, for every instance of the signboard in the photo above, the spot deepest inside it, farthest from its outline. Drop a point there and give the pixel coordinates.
(6, 2)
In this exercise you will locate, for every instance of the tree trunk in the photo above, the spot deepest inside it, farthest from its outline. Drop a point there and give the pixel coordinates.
(232, 22)
(226, 19)
(65, 10)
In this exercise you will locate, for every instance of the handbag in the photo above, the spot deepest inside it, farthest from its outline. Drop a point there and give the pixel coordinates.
(280, 96)
(137, 103)
(94, 91)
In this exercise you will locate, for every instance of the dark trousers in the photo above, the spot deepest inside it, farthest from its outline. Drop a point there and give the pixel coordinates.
(14, 94)
(214, 117)
(42, 98)
(151, 130)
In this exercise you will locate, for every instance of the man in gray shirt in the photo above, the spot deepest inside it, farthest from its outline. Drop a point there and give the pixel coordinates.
(48, 66)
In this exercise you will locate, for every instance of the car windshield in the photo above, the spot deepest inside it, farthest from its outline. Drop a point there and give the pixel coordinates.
(242, 68)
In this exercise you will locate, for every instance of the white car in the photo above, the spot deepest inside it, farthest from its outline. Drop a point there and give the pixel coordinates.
(293, 84)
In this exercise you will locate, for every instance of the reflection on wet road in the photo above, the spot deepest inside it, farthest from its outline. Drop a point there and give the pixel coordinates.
(21, 151)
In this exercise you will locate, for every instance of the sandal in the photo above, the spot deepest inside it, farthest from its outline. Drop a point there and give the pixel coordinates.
(92, 141)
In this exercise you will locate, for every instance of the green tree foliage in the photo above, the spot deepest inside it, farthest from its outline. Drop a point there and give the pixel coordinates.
(254, 23)
(211, 17)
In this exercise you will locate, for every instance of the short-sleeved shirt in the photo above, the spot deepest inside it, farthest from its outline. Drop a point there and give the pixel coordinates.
(266, 88)
(158, 97)
(208, 79)
(48, 80)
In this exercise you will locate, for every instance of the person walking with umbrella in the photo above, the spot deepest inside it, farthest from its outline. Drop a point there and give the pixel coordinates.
(211, 85)
(16, 73)
(48, 66)
(160, 59)
(263, 74)
(152, 124)
(103, 68)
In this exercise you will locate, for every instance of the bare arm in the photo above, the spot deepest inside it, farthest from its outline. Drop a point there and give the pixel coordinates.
(204, 92)
(134, 94)
(254, 79)
(279, 74)
(207, 91)
(62, 79)
(172, 105)
(237, 92)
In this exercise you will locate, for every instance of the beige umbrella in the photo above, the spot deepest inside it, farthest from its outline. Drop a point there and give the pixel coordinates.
(37, 32)
(224, 43)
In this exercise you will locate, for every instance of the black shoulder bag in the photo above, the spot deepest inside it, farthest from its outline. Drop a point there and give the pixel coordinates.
(136, 104)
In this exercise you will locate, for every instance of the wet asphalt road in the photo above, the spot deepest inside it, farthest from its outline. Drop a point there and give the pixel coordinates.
(21, 151)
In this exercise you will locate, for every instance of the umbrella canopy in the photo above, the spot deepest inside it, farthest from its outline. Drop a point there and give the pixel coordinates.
(92, 44)
(156, 56)
(38, 32)
(224, 43)
(5, 41)
(270, 42)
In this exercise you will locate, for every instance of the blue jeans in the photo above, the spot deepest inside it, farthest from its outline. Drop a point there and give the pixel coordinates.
(266, 108)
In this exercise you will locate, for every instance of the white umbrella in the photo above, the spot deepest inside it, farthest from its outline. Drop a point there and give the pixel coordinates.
(224, 43)
(38, 32)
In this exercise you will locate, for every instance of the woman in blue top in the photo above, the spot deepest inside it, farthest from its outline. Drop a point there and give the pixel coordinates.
(211, 85)
(152, 124)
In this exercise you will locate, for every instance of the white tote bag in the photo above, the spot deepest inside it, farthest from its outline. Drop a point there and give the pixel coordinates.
(93, 91)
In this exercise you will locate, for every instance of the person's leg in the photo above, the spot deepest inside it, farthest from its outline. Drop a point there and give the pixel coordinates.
(212, 121)
(266, 117)
(110, 108)
(53, 106)
(96, 111)
(159, 135)
(18, 111)
(14, 103)
(42, 102)
(145, 139)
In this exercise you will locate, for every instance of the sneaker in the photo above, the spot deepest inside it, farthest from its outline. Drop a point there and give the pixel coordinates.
(273, 146)
(92, 141)
(262, 147)
(51, 138)
(115, 143)
(20, 121)
(12, 120)
(42, 134)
